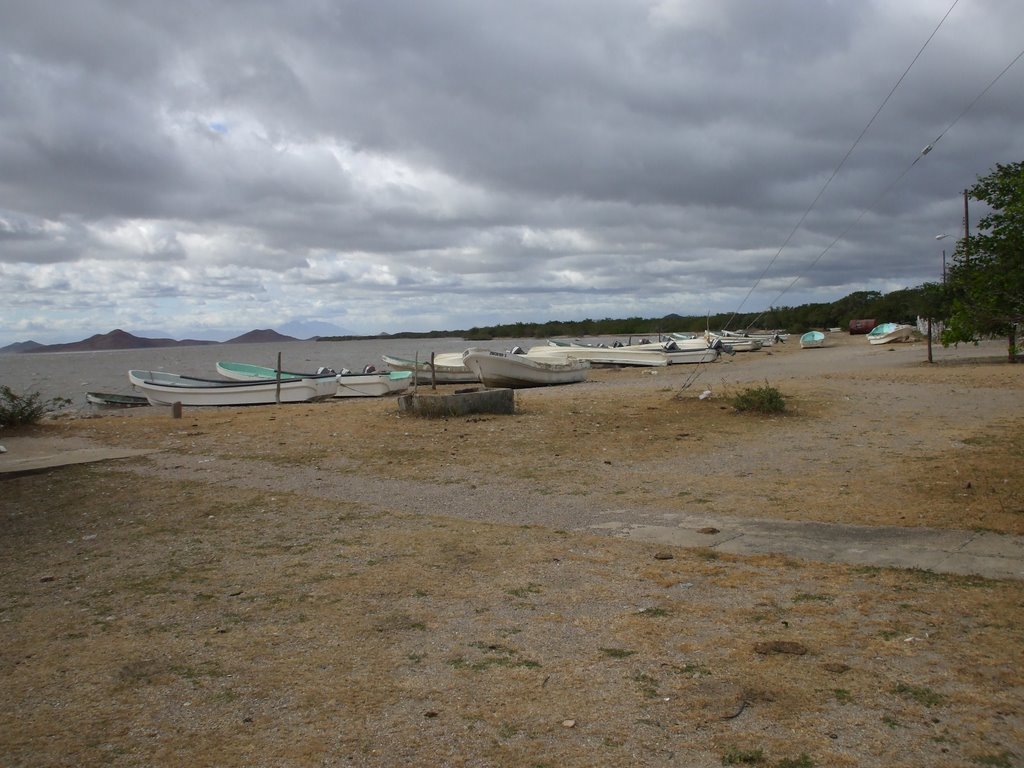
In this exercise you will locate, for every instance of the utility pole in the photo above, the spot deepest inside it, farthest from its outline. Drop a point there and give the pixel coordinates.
(967, 228)
(967, 221)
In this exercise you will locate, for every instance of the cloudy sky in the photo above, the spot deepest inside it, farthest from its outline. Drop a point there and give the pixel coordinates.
(198, 169)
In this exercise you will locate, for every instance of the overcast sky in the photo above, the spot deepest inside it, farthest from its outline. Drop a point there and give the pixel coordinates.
(198, 169)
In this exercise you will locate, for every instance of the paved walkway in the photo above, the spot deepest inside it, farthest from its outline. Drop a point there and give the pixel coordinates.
(24, 455)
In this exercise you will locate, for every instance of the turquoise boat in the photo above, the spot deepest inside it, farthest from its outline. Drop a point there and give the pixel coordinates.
(812, 339)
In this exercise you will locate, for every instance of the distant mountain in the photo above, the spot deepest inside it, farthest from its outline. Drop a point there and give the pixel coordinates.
(116, 339)
(21, 346)
(306, 329)
(260, 337)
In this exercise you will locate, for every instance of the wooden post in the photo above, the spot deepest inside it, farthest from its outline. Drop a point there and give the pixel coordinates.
(433, 373)
(930, 338)
(176, 410)
(277, 391)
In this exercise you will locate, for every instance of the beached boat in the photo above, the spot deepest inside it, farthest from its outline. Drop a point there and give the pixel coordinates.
(558, 351)
(688, 341)
(739, 343)
(766, 338)
(373, 384)
(729, 344)
(367, 384)
(161, 388)
(890, 332)
(812, 340)
(517, 371)
(447, 368)
(678, 354)
(113, 400)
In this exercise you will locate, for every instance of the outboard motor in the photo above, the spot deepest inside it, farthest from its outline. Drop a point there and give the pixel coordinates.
(517, 350)
(370, 368)
(325, 371)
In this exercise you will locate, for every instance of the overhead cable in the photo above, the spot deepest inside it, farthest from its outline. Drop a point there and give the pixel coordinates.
(841, 163)
(896, 181)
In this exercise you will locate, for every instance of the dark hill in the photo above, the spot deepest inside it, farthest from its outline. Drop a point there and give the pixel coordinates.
(21, 346)
(116, 339)
(260, 337)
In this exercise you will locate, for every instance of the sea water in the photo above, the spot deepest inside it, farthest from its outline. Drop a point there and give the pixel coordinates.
(72, 374)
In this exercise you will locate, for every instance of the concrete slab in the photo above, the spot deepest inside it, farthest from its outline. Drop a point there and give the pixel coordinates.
(23, 455)
(942, 551)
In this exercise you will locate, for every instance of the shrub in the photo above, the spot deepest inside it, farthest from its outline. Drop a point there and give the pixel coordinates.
(766, 399)
(17, 410)
(736, 756)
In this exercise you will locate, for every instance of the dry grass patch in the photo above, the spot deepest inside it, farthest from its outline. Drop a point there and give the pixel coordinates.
(159, 621)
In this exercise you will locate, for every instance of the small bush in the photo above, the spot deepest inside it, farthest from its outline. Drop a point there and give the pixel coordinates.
(17, 410)
(743, 757)
(766, 399)
(922, 695)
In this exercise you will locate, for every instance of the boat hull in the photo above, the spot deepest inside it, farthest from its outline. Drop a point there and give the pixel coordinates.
(679, 355)
(812, 340)
(162, 388)
(375, 384)
(739, 344)
(448, 368)
(684, 356)
(887, 333)
(598, 356)
(504, 369)
(110, 400)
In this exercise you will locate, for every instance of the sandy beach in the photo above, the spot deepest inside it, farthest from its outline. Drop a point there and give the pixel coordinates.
(335, 584)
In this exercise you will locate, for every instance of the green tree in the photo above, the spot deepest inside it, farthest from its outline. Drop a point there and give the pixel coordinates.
(986, 281)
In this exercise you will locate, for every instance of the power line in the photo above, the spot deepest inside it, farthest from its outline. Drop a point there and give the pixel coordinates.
(841, 163)
(899, 178)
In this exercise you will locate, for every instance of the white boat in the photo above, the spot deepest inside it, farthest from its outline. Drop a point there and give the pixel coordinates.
(686, 341)
(161, 388)
(890, 332)
(767, 338)
(677, 354)
(562, 351)
(374, 384)
(447, 368)
(507, 369)
(729, 344)
(366, 384)
(738, 343)
(812, 339)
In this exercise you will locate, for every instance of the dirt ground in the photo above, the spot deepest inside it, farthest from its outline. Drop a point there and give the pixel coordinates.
(335, 584)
